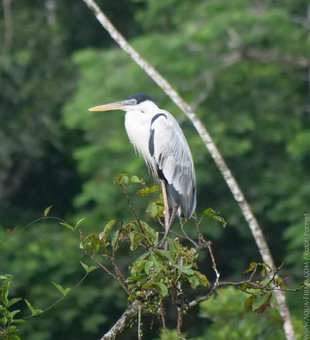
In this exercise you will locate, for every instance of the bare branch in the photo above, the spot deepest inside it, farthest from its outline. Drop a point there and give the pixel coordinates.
(216, 155)
(209, 245)
(217, 276)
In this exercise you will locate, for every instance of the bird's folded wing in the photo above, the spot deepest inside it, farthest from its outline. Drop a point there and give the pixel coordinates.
(173, 159)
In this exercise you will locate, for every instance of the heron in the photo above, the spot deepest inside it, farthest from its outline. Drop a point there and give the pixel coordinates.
(158, 138)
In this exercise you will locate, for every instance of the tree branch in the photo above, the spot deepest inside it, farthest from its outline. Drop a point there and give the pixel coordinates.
(216, 155)
(123, 322)
(133, 312)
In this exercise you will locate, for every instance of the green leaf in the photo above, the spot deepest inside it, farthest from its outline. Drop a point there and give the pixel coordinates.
(158, 264)
(135, 179)
(265, 269)
(214, 215)
(12, 314)
(166, 254)
(193, 280)
(151, 209)
(135, 239)
(203, 281)
(185, 269)
(252, 266)
(138, 266)
(12, 329)
(249, 302)
(108, 227)
(163, 288)
(47, 210)
(66, 225)
(5, 277)
(121, 179)
(32, 310)
(14, 337)
(115, 239)
(79, 222)
(92, 243)
(63, 291)
(171, 245)
(13, 301)
(87, 268)
(148, 266)
(3, 321)
(148, 190)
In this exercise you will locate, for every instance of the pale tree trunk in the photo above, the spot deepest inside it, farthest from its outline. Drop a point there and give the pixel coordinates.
(8, 25)
(217, 157)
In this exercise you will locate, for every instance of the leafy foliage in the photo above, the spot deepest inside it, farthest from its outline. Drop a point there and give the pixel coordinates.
(154, 273)
(8, 319)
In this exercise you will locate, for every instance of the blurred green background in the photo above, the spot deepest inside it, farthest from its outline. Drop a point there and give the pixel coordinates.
(244, 66)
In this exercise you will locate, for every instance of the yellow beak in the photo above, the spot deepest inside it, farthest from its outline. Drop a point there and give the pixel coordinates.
(123, 105)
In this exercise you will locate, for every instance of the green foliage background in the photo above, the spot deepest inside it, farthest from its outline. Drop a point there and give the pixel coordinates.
(243, 63)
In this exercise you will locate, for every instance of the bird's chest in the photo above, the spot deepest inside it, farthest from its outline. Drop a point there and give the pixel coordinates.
(137, 127)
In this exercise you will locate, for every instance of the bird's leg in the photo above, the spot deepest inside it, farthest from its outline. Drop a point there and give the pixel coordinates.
(168, 219)
(173, 214)
(163, 243)
(166, 207)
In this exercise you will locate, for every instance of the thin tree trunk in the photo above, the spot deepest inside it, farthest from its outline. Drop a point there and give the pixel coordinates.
(217, 157)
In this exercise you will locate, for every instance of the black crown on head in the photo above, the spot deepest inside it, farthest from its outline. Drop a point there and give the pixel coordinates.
(140, 97)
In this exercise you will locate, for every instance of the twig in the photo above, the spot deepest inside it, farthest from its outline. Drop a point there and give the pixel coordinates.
(216, 155)
(209, 245)
(257, 286)
(117, 270)
(187, 237)
(253, 285)
(109, 272)
(217, 274)
(139, 323)
(132, 207)
(30, 224)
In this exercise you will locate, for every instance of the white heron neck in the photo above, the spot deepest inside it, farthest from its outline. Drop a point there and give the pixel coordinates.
(137, 125)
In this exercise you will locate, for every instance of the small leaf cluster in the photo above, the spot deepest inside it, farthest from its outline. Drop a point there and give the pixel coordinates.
(8, 318)
(159, 271)
(261, 297)
(137, 232)
(155, 208)
(215, 216)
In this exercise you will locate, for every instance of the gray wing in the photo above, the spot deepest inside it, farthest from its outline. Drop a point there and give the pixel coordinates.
(174, 162)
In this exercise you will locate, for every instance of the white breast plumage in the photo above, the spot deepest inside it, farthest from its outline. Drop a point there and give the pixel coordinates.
(137, 126)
